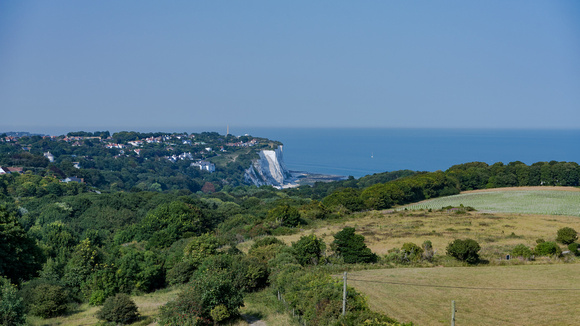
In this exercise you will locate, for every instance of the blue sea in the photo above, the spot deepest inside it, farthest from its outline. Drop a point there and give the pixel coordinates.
(359, 152)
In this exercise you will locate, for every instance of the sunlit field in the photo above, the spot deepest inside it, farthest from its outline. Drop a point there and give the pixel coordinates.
(500, 295)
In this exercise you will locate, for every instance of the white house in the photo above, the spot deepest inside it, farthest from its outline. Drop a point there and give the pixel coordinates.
(205, 165)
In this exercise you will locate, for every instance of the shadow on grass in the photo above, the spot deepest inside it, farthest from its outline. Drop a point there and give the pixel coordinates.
(252, 316)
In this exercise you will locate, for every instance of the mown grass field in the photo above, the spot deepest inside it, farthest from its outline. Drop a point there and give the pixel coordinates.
(424, 303)
(530, 200)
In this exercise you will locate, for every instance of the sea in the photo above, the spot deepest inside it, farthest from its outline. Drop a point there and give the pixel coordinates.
(362, 151)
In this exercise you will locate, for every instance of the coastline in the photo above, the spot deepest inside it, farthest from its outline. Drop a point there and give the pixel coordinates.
(303, 178)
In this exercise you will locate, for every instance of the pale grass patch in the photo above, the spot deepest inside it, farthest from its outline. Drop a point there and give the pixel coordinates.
(392, 230)
(426, 305)
(148, 305)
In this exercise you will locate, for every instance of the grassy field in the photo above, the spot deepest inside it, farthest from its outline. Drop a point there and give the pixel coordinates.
(497, 233)
(148, 305)
(529, 201)
(411, 294)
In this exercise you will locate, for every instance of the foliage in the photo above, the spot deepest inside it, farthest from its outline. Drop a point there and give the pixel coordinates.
(547, 248)
(285, 215)
(351, 247)
(199, 248)
(119, 309)
(45, 299)
(11, 305)
(411, 251)
(309, 250)
(464, 250)
(573, 247)
(20, 258)
(204, 293)
(567, 235)
(523, 251)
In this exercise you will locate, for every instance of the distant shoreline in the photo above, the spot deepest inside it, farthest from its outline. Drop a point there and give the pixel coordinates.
(303, 178)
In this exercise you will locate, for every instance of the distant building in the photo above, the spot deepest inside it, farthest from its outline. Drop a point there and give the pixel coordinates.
(205, 165)
(49, 156)
(73, 179)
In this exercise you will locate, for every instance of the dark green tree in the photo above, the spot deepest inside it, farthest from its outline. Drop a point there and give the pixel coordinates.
(20, 258)
(352, 247)
(567, 235)
(465, 250)
(119, 309)
(286, 215)
(309, 250)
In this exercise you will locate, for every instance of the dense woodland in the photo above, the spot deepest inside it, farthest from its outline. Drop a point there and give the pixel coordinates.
(62, 244)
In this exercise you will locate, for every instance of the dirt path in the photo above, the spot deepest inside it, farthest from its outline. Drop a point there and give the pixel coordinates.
(253, 321)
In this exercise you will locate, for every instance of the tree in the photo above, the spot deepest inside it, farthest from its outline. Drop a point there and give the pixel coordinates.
(567, 235)
(464, 250)
(548, 248)
(352, 247)
(20, 257)
(45, 299)
(207, 291)
(119, 309)
(285, 215)
(308, 250)
(11, 305)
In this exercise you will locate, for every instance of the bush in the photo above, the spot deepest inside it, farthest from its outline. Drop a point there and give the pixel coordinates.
(567, 236)
(411, 252)
(119, 309)
(548, 248)
(573, 247)
(308, 250)
(45, 300)
(97, 298)
(11, 305)
(205, 292)
(523, 251)
(464, 250)
(352, 247)
(180, 273)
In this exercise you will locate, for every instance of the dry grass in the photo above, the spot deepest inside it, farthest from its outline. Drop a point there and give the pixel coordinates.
(428, 305)
(387, 230)
(148, 305)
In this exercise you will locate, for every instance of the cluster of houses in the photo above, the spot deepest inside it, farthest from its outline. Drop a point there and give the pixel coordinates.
(166, 139)
(9, 169)
(242, 144)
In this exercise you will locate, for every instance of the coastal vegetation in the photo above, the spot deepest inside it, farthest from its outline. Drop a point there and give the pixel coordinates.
(143, 226)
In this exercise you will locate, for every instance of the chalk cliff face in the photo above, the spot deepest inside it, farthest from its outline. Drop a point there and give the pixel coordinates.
(269, 169)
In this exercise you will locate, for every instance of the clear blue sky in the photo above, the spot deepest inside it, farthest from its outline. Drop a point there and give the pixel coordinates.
(182, 65)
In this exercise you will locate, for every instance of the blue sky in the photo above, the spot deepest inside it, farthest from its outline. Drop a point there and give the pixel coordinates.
(187, 65)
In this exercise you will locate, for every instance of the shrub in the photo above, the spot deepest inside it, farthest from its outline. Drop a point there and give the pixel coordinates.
(308, 250)
(206, 291)
(97, 298)
(548, 248)
(119, 309)
(567, 236)
(573, 247)
(352, 247)
(45, 300)
(180, 273)
(464, 250)
(428, 251)
(522, 250)
(411, 251)
(11, 305)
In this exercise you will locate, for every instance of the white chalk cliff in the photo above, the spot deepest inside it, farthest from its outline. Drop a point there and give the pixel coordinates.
(268, 170)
